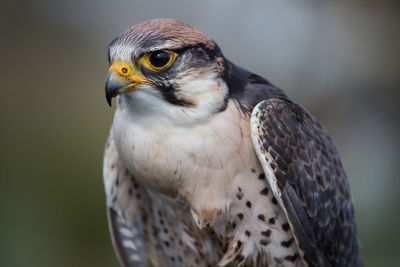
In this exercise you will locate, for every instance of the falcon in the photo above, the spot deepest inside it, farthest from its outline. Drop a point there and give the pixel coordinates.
(208, 164)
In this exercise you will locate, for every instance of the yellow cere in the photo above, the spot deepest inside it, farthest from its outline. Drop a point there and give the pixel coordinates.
(121, 67)
(126, 72)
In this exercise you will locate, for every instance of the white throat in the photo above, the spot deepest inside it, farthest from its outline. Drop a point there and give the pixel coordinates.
(146, 105)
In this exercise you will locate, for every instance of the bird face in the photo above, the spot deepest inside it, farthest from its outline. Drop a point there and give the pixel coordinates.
(167, 68)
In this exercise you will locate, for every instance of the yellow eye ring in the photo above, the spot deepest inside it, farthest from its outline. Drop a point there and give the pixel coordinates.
(158, 60)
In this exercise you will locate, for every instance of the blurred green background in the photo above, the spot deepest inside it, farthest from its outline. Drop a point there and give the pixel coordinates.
(341, 59)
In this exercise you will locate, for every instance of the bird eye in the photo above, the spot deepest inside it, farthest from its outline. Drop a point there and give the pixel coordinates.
(159, 60)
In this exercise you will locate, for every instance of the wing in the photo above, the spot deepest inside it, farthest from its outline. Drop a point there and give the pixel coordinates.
(125, 217)
(306, 175)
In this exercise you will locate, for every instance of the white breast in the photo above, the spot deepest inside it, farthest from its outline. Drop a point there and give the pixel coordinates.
(212, 167)
(185, 161)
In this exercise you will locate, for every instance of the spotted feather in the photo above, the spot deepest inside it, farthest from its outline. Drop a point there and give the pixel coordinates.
(305, 172)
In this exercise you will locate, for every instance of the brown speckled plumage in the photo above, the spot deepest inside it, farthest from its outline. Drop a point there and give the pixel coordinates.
(310, 177)
(241, 176)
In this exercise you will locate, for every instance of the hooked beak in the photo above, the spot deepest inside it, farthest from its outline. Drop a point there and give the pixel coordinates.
(122, 78)
(114, 84)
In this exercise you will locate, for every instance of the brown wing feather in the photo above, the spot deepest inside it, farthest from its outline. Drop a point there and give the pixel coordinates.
(309, 175)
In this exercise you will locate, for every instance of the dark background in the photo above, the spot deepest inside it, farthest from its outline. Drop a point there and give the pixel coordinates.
(340, 59)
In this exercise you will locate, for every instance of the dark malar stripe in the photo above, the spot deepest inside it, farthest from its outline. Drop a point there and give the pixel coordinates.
(169, 95)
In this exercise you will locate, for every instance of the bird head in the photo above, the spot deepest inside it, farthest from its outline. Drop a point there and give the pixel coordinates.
(167, 68)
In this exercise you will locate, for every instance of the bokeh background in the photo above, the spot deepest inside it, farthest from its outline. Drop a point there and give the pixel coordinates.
(341, 59)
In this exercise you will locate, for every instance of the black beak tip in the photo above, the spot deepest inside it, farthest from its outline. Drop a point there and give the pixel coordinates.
(113, 86)
(112, 89)
(109, 97)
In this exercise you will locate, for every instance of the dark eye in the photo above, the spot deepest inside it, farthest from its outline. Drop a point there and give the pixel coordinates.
(159, 59)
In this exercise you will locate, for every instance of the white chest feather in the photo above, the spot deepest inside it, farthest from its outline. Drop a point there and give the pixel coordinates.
(210, 167)
(184, 161)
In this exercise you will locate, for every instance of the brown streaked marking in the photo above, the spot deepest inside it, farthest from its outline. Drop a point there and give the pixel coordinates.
(248, 233)
(264, 242)
(287, 243)
(119, 103)
(240, 216)
(292, 258)
(264, 191)
(274, 201)
(261, 176)
(176, 33)
(271, 220)
(209, 215)
(248, 204)
(286, 227)
(266, 233)
(261, 217)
